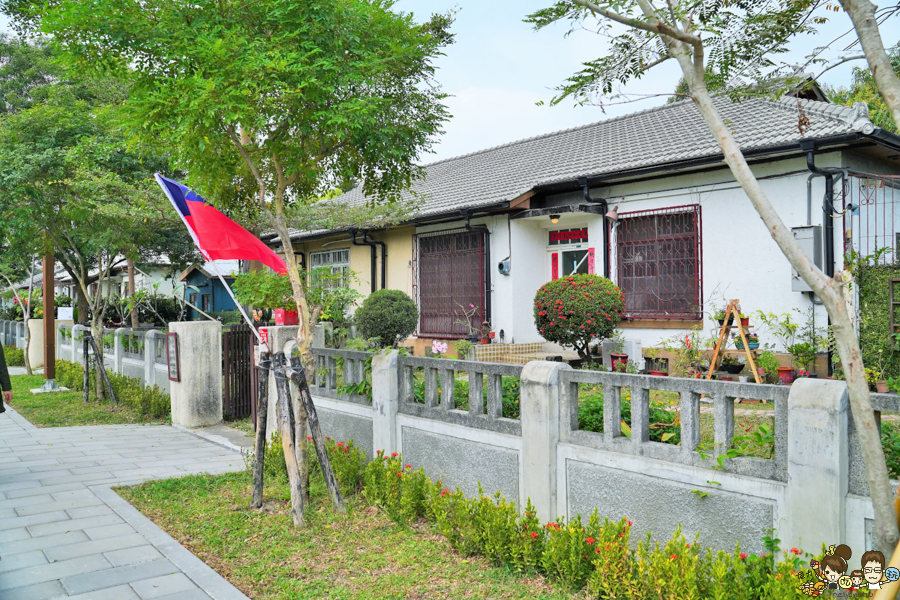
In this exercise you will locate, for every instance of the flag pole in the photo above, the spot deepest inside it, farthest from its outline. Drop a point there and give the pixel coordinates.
(236, 303)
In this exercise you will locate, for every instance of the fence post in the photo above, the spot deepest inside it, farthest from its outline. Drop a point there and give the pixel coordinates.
(540, 403)
(385, 401)
(319, 335)
(150, 341)
(817, 463)
(119, 351)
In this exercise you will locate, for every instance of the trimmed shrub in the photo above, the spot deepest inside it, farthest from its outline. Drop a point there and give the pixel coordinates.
(15, 357)
(129, 392)
(389, 315)
(574, 310)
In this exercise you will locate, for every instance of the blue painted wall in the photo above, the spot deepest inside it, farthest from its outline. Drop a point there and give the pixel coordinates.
(219, 297)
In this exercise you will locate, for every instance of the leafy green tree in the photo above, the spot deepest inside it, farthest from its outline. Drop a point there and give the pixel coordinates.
(715, 44)
(864, 89)
(305, 95)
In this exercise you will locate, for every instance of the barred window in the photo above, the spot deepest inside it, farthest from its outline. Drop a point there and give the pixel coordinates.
(659, 263)
(338, 261)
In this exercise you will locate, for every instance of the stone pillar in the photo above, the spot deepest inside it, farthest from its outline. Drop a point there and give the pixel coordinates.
(151, 338)
(119, 351)
(817, 463)
(319, 335)
(278, 337)
(77, 331)
(197, 398)
(385, 400)
(540, 407)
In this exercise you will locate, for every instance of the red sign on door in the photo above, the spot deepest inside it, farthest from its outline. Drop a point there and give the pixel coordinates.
(554, 265)
(264, 335)
(590, 259)
(568, 236)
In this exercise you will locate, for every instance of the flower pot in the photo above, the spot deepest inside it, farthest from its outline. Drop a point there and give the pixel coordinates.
(881, 387)
(739, 344)
(618, 358)
(730, 321)
(753, 345)
(473, 338)
(492, 334)
(733, 369)
(786, 375)
(659, 373)
(485, 339)
(286, 317)
(761, 372)
(745, 321)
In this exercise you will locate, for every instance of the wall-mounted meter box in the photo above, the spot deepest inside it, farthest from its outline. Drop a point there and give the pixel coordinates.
(810, 239)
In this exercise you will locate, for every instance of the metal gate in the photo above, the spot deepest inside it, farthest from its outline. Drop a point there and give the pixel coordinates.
(239, 386)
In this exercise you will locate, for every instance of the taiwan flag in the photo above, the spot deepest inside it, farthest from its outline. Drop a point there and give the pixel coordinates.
(217, 236)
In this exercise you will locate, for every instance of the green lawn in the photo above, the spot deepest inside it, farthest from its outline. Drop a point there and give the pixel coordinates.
(67, 409)
(365, 555)
(244, 424)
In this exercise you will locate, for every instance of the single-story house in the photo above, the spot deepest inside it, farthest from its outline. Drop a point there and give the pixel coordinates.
(204, 289)
(499, 223)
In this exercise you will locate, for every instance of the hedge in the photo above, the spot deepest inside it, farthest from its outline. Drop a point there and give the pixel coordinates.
(875, 318)
(129, 392)
(15, 357)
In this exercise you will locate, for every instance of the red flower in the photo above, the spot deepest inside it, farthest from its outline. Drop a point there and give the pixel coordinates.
(607, 547)
(444, 492)
(399, 474)
(673, 556)
(688, 545)
(743, 556)
(310, 437)
(796, 551)
(534, 534)
(590, 540)
(327, 438)
(598, 549)
(409, 466)
(629, 523)
(393, 455)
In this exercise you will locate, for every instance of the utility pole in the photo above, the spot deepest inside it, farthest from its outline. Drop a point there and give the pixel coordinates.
(49, 283)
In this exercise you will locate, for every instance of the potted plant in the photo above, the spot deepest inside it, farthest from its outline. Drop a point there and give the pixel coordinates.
(473, 335)
(752, 342)
(651, 355)
(875, 379)
(745, 321)
(731, 364)
(617, 355)
(486, 332)
(267, 290)
(720, 318)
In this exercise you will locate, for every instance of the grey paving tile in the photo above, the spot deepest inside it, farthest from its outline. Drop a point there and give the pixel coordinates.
(75, 479)
(66, 505)
(25, 501)
(159, 587)
(99, 533)
(28, 475)
(87, 581)
(88, 546)
(119, 592)
(41, 591)
(89, 511)
(11, 562)
(13, 535)
(19, 485)
(131, 556)
(34, 490)
(194, 594)
(74, 524)
(46, 542)
(37, 519)
(73, 494)
(57, 570)
(71, 466)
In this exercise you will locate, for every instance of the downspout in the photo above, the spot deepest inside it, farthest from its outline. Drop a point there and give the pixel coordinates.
(809, 146)
(583, 182)
(487, 261)
(366, 240)
(371, 246)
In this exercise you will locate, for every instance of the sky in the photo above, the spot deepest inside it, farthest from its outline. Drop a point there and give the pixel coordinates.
(499, 69)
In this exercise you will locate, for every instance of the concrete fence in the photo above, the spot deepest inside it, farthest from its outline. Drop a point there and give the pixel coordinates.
(811, 491)
(134, 353)
(13, 334)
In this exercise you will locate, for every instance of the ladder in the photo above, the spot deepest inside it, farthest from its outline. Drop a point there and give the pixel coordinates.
(732, 320)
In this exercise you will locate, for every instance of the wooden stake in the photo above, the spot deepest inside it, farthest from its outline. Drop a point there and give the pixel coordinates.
(300, 428)
(262, 414)
(298, 376)
(86, 354)
(287, 439)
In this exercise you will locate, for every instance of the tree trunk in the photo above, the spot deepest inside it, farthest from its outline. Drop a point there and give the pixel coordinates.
(97, 332)
(287, 441)
(300, 428)
(134, 309)
(26, 316)
(828, 290)
(862, 13)
(262, 416)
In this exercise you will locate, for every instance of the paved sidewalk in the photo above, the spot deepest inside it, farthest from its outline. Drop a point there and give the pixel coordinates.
(65, 534)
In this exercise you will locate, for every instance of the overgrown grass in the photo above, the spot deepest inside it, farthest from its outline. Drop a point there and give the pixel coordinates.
(67, 409)
(244, 424)
(365, 555)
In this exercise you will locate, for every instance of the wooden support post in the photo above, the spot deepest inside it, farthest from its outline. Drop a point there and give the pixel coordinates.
(300, 428)
(262, 413)
(98, 355)
(86, 356)
(298, 376)
(287, 438)
(49, 317)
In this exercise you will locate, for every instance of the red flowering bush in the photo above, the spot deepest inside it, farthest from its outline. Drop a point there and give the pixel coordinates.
(574, 310)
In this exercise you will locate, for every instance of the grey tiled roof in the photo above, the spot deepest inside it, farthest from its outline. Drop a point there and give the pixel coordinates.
(658, 136)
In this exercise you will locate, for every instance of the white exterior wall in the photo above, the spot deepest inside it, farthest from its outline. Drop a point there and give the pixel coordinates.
(740, 259)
